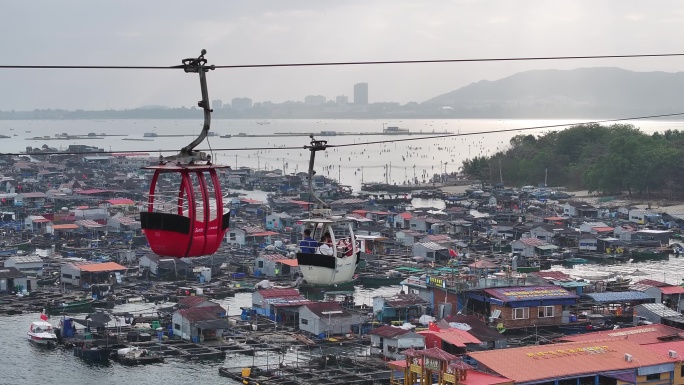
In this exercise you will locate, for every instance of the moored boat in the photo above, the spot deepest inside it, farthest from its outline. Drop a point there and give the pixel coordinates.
(42, 333)
(81, 306)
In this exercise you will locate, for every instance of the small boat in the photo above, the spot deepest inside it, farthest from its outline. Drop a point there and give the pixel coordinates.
(41, 333)
(82, 306)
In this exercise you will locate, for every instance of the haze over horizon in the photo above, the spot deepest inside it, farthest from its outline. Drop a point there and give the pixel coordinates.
(163, 33)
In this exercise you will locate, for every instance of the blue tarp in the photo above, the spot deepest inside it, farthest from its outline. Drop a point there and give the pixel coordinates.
(618, 296)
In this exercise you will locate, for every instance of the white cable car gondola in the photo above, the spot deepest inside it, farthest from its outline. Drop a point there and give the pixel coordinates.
(332, 262)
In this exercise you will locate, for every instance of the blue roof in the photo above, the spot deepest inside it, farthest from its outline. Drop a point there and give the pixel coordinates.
(618, 296)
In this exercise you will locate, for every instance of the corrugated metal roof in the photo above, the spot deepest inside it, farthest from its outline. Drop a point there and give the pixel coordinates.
(26, 259)
(618, 296)
(526, 293)
(659, 309)
(567, 360)
(432, 246)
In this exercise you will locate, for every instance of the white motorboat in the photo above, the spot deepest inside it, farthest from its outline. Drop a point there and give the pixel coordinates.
(42, 333)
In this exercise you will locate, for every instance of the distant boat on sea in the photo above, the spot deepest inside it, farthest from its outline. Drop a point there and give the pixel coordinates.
(263, 122)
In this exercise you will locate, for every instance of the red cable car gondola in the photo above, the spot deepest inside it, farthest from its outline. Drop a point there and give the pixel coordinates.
(190, 222)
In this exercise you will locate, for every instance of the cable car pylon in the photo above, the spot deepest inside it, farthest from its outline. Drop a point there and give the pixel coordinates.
(191, 222)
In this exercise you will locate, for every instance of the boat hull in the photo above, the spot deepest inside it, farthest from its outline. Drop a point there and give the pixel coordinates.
(50, 340)
(73, 307)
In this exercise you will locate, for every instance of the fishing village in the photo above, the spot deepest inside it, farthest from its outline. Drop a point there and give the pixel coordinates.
(451, 278)
(480, 286)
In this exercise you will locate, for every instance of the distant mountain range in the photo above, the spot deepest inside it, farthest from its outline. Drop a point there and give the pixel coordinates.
(583, 92)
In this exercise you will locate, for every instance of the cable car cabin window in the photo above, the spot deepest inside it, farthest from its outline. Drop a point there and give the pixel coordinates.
(211, 198)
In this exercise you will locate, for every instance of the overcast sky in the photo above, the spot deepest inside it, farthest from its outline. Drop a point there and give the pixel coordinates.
(135, 32)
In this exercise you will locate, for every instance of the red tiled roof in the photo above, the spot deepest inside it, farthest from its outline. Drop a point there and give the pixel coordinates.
(663, 349)
(88, 223)
(566, 360)
(667, 290)
(191, 301)
(301, 203)
(99, 267)
(452, 336)
(263, 234)
(554, 275)
(406, 215)
(386, 331)
(205, 313)
(120, 202)
(651, 282)
(65, 227)
(278, 293)
(532, 241)
(602, 229)
(438, 354)
(249, 201)
(439, 238)
(475, 377)
(640, 335)
(483, 264)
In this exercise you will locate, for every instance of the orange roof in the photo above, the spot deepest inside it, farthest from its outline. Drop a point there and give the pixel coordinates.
(664, 348)
(263, 234)
(478, 378)
(566, 360)
(98, 267)
(289, 262)
(399, 364)
(455, 337)
(602, 229)
(641, 335)
(65, 227)
(668, 290)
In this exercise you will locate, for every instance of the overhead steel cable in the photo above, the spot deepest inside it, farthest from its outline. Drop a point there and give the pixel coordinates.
(349, 63)
(366, 143)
